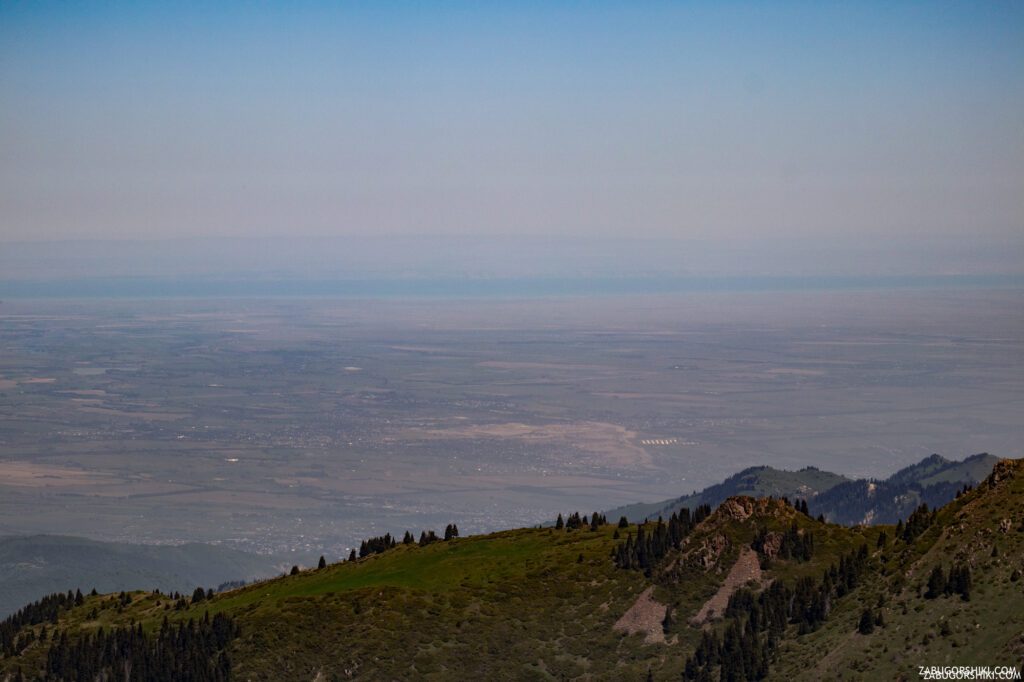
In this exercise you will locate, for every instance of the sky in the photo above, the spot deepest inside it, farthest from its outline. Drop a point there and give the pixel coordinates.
(822, 127)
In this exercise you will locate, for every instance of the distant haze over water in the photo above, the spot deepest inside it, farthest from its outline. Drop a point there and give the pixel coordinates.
(468, 287)
(489, 266)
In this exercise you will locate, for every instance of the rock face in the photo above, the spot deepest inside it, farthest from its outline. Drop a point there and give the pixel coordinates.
(772, 544)
(706, 555)
(1004, 470)
(742, 508)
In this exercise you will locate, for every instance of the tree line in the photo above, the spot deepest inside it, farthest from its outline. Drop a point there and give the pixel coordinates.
(45, 610)
(382, 543)
(654, 540)
(574, 521)
(192, 651)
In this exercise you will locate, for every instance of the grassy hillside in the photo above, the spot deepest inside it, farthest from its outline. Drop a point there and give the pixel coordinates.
(551, 604)
(35, 565)
(983, 529)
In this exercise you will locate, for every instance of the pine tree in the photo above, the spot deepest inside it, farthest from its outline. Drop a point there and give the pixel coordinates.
(352, 555)
(559, 524)
(668, 621)
(322, 563)
(867, 623)
(295, 570)
(936, 583)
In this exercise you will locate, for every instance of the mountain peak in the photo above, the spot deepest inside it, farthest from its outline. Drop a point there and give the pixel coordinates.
(742, 507)
(1004, 470)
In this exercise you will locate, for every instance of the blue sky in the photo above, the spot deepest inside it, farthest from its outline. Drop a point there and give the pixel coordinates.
(821, 123)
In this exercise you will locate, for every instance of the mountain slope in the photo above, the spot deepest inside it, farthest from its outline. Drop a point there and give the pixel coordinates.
(553, 604)
(35, 565)
(983, 530)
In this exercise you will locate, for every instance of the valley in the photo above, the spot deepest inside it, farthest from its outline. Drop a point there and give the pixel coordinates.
(298, 426)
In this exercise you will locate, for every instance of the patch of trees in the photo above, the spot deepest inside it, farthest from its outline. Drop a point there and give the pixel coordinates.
(189, 652)
(654, 540)
(957, 581)
(574, 521)
(756, 621)
(793, 544)
(231, 585)
(385, 542)
(376, 545)
(199, 594)
(739, 654)
(918, 522)
(45, 610)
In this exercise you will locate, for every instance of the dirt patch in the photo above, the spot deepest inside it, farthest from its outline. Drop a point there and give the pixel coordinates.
(746, 568)
(610, 444)
(644, 616)
(37, 475)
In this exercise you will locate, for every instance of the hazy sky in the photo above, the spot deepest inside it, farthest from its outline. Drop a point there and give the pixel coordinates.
(714, 121)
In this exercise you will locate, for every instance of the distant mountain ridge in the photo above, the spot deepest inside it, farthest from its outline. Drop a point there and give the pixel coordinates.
(934, 480)
(34, 565)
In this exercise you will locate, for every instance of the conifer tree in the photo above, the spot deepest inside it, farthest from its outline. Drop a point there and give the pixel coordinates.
(867, 622)
(936, 583)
